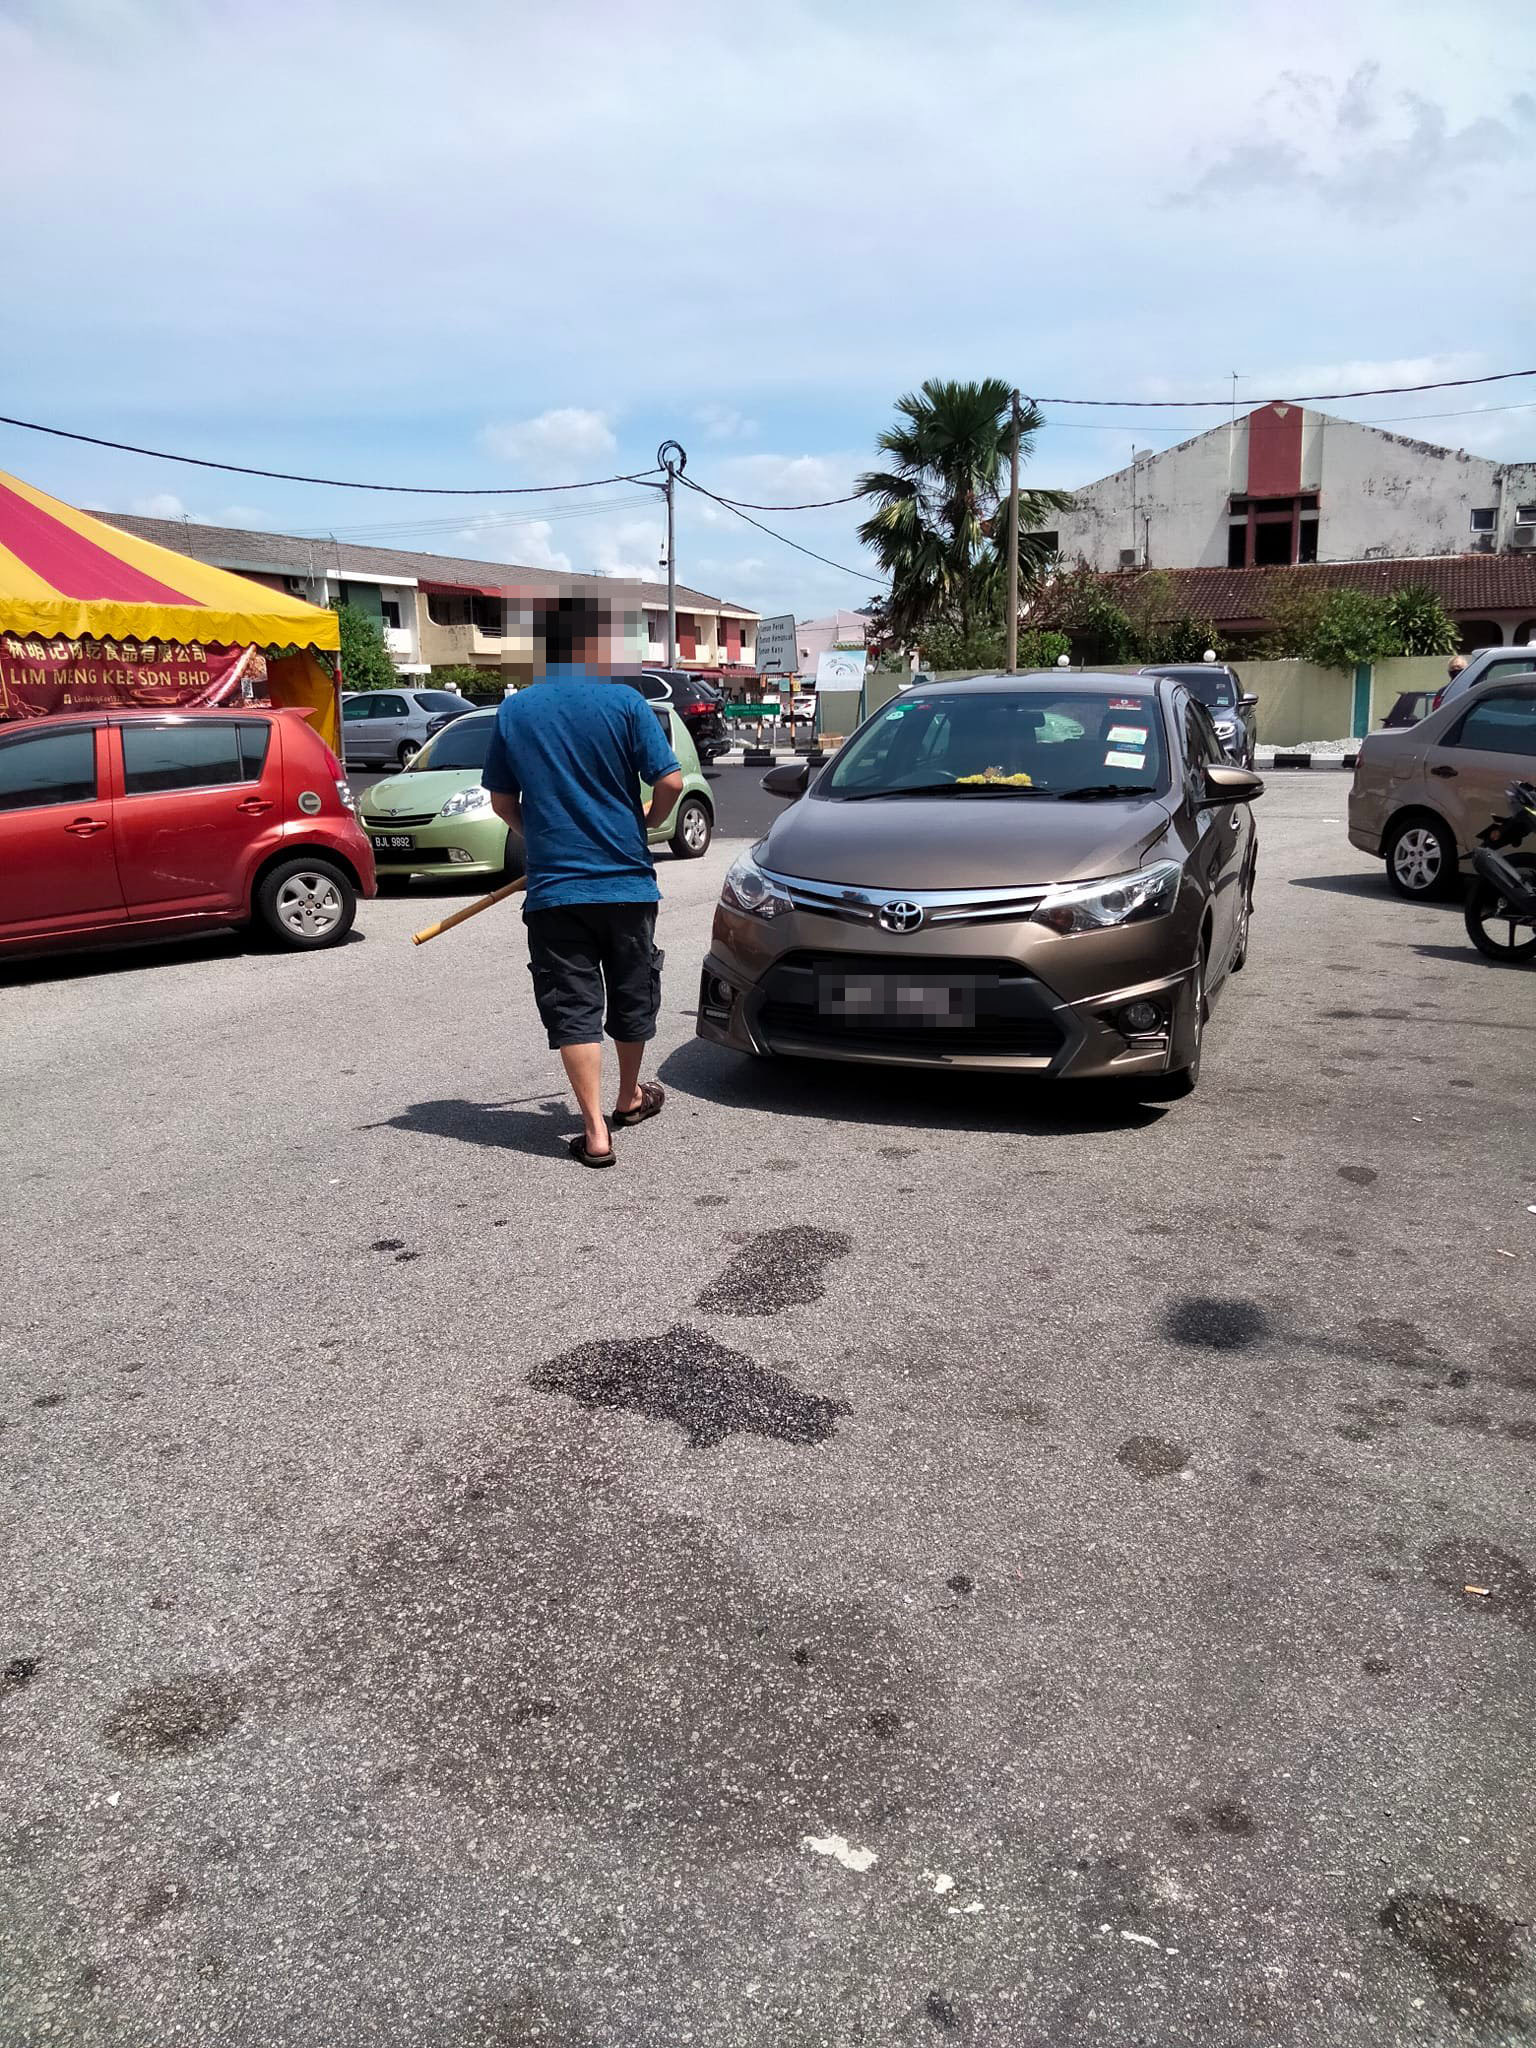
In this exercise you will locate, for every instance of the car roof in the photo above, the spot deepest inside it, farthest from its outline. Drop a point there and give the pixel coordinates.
(1179, 669)
(129, 714)
(1090, 680)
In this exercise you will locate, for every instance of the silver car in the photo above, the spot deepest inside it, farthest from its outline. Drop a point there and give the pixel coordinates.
(388, 728)
(1488, 665)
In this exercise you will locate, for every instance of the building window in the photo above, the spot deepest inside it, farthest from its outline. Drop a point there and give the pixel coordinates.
(1306, 541)
(1485, 518)
(1237, 544)
(1308, 501)
(1272, 544)
(444, 610)
(653, 629)
(390, 607)
(1525, 515)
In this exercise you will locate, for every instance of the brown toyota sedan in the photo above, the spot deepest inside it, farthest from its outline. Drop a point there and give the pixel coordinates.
(1047, 874)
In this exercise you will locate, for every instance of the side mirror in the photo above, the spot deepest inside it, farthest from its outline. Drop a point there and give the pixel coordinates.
(1224, 785)
(1248, 699)
(791, 780)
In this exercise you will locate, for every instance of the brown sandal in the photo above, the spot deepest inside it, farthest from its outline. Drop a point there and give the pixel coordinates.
(578, 1151)
(652, 1096)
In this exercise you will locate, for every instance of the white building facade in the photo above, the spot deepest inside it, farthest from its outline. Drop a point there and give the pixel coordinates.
(1285, 485)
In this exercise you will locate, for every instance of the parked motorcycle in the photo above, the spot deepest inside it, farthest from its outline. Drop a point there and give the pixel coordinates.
(1501, 900)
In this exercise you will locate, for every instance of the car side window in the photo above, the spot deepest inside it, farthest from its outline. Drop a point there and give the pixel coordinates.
(655, 688)
(356, 708)
(390, 707)
(190, 756)
(1202, 749)
(48, 768)
(1499, 725)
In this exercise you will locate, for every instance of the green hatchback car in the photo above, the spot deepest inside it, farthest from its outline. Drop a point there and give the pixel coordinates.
(435, 815)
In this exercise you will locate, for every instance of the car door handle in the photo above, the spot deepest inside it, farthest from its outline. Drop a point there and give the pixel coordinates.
(84, 827)
(254, 806)
(1444, 768)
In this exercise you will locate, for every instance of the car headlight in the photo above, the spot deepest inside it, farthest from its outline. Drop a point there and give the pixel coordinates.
(1226, 728)
(465, 800)
(747, 888)
(1123, 899)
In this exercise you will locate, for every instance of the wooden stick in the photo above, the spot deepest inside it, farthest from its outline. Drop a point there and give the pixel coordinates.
(446, 924)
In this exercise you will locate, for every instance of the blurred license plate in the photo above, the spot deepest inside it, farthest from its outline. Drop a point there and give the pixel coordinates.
(885, 999)
(392, 842)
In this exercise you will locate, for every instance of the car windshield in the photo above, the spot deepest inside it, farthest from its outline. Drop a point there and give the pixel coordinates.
(1002, 743)
(1213, 689)
(460, 745)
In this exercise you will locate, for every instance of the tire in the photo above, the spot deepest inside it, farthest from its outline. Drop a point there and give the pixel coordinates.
(514, 862)
(1495, 936)
(695, 829)
(1244, 920)
(1183, 1081)
(1420, 855)
(407, 751)
(306, 903)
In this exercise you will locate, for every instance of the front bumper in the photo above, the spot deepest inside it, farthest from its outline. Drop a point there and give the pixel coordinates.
(1032, 1002)
(471, 844)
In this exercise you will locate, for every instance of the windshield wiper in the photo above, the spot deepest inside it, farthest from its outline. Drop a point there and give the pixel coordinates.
(1091, 791)
(864, 796)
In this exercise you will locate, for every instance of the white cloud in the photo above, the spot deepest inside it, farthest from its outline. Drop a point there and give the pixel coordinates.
(527, 543)
(561, 445)
(725, 423)
(160, 505)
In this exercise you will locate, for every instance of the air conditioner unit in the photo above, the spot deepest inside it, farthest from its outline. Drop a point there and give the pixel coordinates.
(1523, 537)
(294, 584)
(1130, 558)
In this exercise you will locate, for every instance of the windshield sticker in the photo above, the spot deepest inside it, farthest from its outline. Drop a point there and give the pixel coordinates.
(1116, 760)
(896, 711)
(1127, 703)
(1128, 735)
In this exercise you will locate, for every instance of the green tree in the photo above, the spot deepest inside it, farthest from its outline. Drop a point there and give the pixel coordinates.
(1353, 626)
(365, 662)
(1420, 622)
(935, 525)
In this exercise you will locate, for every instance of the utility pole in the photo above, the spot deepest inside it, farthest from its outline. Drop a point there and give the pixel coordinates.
(671, 457)
(1013, 536)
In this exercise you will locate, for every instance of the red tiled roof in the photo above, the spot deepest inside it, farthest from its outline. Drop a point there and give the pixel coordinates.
(1464, 584)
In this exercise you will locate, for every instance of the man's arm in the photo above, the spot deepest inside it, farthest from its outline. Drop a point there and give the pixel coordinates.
(509, 810)
(665, 791)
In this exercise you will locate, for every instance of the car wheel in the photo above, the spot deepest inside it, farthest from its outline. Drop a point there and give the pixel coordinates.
(306, 903)
(1493, 927)
(694, 830)
(407, 752)
(514, 862)
(1421, 856)
(1244, 921)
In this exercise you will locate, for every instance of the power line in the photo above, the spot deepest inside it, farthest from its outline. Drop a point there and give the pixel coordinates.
(1299, 398)
(870, 574)
(285, 476)
(1395, 419)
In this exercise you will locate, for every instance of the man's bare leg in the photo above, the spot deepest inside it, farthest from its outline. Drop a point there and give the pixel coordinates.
(584, 1070)
(631, 1052)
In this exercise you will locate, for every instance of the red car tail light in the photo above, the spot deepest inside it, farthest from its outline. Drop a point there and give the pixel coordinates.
(696, 710)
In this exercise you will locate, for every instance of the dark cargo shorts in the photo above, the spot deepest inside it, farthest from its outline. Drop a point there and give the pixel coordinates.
(595, 967)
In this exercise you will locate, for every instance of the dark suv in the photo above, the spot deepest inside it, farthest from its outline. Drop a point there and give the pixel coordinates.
(697, 703)
(1215, 684)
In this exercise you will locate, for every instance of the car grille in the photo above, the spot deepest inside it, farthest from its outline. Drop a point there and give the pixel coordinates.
(396, 821)
(939, 906)
(1013, 1016)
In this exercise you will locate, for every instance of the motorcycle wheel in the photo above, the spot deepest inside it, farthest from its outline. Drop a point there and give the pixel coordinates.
(1494, 928)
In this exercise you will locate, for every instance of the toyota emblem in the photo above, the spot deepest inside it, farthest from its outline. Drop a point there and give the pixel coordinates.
(900, 917)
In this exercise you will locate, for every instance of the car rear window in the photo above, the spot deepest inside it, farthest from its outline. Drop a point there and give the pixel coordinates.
(189, 755)
(439, 700)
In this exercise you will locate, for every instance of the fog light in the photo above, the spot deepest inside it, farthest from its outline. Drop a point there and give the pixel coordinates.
(1141, 1018)
(458, 853)
(720, 991)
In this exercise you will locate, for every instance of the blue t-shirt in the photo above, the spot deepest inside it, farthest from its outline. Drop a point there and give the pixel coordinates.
(574, 750)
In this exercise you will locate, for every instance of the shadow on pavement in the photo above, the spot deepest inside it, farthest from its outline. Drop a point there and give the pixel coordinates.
(504, 1126)
(1368, 884)
(119, 956)
(904, 1098)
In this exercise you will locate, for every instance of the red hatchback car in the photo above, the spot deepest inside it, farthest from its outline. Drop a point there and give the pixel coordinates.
(149, 823)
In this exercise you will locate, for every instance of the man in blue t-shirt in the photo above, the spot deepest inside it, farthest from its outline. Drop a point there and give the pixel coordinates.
(564, 768)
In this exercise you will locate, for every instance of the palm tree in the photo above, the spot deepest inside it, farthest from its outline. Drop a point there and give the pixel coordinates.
(940, 527)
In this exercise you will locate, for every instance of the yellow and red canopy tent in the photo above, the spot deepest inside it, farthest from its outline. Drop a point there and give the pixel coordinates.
(92, 617)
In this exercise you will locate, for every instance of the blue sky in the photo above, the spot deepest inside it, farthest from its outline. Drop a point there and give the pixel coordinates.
(492, 243)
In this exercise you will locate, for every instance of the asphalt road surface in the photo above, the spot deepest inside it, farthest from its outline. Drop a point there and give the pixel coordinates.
(895, 1561)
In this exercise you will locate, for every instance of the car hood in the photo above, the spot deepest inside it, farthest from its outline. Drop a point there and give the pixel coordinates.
(961, 842)
(427, 791)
